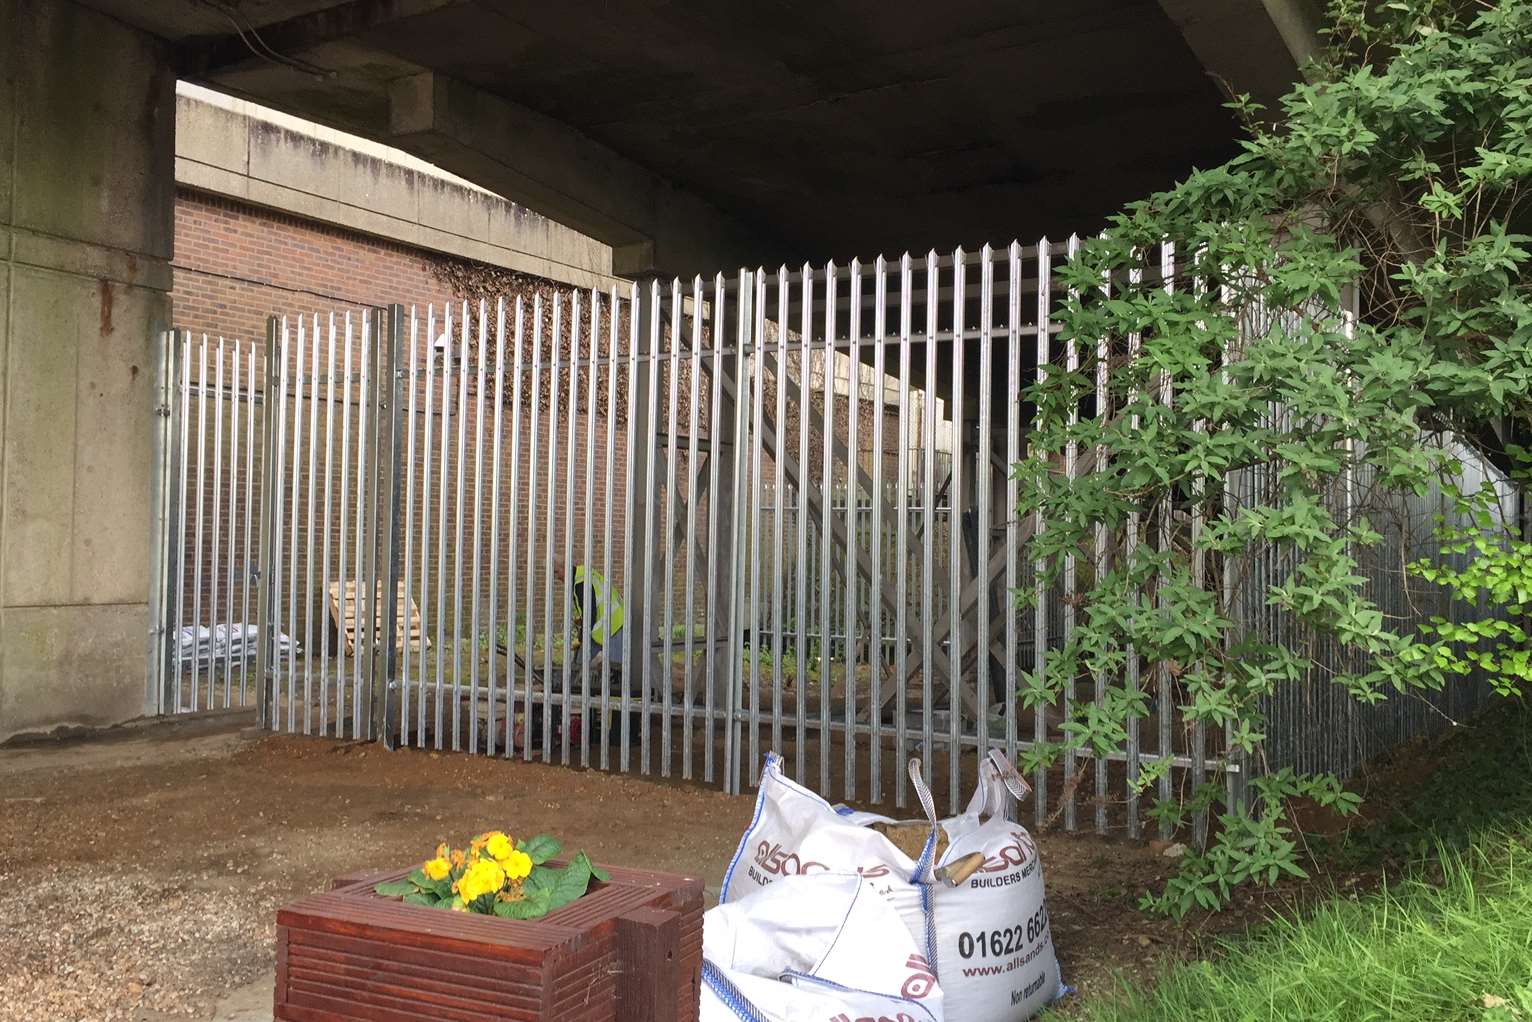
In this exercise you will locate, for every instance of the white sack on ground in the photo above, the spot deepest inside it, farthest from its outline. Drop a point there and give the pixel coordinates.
(814, 947)
(988, 938)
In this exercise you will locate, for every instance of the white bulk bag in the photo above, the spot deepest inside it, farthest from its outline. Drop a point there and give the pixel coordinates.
(814, 947)
(987, 939)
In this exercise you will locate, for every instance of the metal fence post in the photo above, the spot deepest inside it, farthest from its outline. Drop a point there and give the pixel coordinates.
(374, 405)
(163, 554)
(636, 514)
(270, 504)
(387, 445)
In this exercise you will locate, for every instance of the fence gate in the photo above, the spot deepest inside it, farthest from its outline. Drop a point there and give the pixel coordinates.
(664, 528)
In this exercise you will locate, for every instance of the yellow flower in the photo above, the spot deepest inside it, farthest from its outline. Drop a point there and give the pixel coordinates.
(437, 868)
(442, 850)
(457, 858)
(483, 877)
(517, 865)
(498, 846)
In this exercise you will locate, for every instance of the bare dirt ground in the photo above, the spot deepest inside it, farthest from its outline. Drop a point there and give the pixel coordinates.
(140, 871)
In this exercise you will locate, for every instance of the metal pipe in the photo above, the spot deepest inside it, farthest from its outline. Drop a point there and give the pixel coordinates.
(667, 635)
(633, 647)
(457, 541)
(692, 497)
(645, 617)
(778, 513)
(513, 534)
(826, 675)
(566, 713)
(928, 519)
(213, 573)
(593, 345)
(853, 448)
(441, 530)
(324, 587)
(250, 510)
(715, 496)
(758, 396)
(606, 529)
(389, 444)
(490, 676)
(196, 686)
(982, 472)
(477, 634)
(902, 539)
(1071, 567)
(801, 521)
(875, 651)
(345, 487)
(955, 497)
(549, 521)
(1012, 498)
(308, 555)
(413, 383)
(182, 452)
(1163, 511)
(1103, 414)
(294, 594)
(1039, 567)
(365, 589)
(1130, 550)
(425, 539)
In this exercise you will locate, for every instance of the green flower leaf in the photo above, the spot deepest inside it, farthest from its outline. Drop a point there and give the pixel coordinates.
(534, 905)
(394, 889)
(541, 848)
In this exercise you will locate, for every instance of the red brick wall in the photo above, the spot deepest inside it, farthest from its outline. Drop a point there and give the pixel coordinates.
(234, 266)
(237, 264)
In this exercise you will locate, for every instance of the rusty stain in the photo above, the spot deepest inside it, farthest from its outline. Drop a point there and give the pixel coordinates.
(106, 307)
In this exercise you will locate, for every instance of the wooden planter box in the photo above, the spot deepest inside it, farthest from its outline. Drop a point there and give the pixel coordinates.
(629, 949)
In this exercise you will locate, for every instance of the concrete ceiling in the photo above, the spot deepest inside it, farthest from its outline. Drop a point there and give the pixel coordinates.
(693, 135)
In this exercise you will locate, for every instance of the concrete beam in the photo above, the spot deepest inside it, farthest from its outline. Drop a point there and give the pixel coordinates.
(653, 226)
(1249, 46)
(305, 32)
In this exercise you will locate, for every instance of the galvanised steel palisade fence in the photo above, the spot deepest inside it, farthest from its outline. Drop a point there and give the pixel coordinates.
(796, 479)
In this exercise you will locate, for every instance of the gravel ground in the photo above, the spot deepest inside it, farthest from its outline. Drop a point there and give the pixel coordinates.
(140, 872)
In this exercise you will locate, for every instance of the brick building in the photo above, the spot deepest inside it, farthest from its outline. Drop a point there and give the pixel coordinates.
(279, 216)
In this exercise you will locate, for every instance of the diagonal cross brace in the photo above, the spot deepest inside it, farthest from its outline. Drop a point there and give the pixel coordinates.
(814, 499)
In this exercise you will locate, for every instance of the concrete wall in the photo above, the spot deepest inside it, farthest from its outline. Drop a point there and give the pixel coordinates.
(87, 110)
(265, 158)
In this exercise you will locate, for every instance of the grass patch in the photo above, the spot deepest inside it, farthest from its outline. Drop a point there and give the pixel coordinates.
(1445, 935)
(1450, 942)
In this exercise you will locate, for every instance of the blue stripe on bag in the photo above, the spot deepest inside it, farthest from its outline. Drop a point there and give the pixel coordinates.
(729, 994)
(773, 763)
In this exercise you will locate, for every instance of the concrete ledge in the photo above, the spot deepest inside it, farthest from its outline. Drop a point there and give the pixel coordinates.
(236, 149)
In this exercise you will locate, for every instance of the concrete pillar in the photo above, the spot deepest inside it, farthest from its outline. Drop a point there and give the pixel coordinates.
(87, 114)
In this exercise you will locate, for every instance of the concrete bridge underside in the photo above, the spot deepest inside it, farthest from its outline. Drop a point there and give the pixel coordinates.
(689, 137)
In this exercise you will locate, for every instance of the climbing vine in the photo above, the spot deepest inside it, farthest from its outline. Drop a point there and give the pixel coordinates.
(1340, 329)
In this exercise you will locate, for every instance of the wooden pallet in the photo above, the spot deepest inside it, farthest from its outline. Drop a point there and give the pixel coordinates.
(407, 617)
